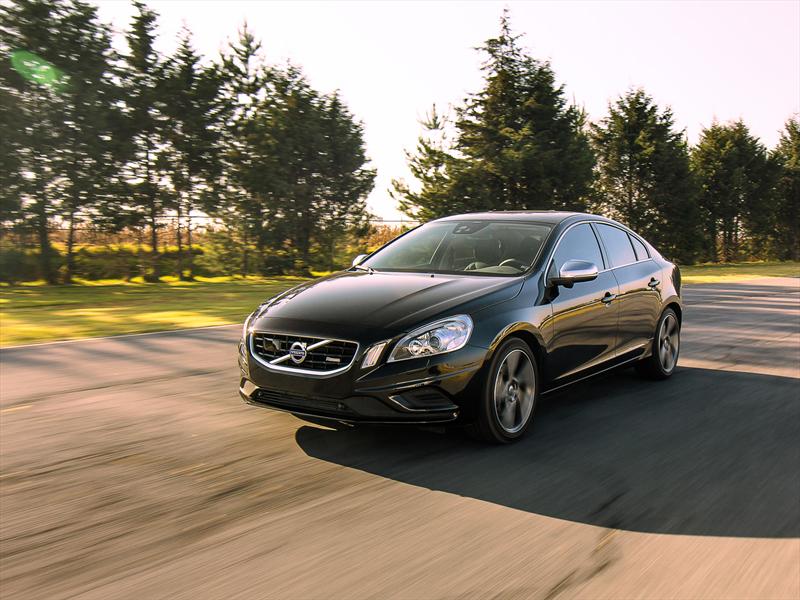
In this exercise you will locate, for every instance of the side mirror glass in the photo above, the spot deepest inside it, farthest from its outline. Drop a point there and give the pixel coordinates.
(359, 259)
(575, 271)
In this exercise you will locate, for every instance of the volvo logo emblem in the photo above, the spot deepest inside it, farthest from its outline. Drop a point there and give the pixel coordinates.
(298, 352)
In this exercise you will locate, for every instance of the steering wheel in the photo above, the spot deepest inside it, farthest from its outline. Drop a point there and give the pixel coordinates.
(513, 262)
(475, 265)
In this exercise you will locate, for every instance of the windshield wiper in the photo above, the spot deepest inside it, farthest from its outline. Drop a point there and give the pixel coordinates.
(369, 270)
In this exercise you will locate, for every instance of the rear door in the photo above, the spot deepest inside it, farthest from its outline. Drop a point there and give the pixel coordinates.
(638, 276)
(584, 316)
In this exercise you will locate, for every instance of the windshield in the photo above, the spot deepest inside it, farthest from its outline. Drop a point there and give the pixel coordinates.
(503, 248)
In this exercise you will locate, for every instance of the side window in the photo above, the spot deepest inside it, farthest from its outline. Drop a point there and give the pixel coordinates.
(579, 243)
(618, 245)
(641, 251)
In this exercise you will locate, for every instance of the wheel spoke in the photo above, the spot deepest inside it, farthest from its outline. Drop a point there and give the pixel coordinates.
(662, 353)
(512, 362)
(500, 387)
(673, 327)
(507, 416)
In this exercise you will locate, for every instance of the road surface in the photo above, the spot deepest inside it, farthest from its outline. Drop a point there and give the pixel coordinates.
(131, 469)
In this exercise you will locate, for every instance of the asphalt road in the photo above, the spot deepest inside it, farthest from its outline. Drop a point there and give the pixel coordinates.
(130, 468)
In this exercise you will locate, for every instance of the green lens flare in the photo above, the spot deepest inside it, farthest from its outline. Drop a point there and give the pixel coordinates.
(38, 70)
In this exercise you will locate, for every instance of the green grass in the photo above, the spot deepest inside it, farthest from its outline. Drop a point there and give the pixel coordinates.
(713, 273)
(34, 312)
(39, 313)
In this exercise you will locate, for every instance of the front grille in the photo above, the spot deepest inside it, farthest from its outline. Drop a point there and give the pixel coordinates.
(330, 355)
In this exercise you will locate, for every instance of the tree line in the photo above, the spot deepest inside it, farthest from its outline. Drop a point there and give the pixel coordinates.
(123, 141)
(518, 144)
(120, 140)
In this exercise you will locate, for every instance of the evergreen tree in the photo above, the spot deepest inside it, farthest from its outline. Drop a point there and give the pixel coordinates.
(787, 192)
(518, 144)
(87, 157)
(734, 177)
(32, 108)
(345, 179)
(430, 165)
(194, 133)
(643, 177)
(148, 152)
(247, 150)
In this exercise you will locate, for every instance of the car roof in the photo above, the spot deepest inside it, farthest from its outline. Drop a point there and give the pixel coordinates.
(538, 216)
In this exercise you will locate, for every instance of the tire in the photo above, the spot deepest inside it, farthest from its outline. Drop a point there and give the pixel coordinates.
(665, 349)
(508, 394)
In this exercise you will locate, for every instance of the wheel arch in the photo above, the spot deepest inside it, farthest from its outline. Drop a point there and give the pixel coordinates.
(676, 306)
(522, 331)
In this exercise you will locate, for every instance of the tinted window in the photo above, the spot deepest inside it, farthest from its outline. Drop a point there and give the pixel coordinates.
(470, 247)
(641, 251)
(618, 245)
(579, 243)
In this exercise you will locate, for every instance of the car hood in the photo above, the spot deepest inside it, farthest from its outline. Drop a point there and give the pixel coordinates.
(378, 305)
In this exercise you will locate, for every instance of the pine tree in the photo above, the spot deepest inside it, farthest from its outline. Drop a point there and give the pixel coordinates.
(787, 192)
(345, 180)
(194, 134)
(87, 158)
(518, 144)
(147, 126)
(430, 165)
(643, 177)
(247, 162)
(735, 178)
(33, 104)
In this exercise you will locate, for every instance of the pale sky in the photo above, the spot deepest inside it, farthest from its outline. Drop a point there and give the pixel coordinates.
(393, 60)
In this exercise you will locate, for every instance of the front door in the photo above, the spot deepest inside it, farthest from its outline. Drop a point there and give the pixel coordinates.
(585, 316)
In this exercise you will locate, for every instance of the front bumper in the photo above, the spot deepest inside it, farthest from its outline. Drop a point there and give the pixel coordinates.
(425, 390)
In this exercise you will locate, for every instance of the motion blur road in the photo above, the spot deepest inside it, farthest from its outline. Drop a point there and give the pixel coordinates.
(130, 468)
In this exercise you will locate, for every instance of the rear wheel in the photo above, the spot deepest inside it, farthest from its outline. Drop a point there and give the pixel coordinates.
(666, 347)
(509, 394)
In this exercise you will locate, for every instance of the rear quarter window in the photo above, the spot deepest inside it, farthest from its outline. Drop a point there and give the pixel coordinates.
(639, 248)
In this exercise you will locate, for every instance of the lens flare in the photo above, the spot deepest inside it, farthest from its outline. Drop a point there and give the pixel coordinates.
(38, 70)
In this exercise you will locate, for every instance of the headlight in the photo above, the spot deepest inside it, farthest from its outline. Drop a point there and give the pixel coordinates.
(246, 326)
(442, 336)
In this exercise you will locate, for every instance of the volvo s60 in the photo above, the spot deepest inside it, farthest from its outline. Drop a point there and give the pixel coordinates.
(466, 319)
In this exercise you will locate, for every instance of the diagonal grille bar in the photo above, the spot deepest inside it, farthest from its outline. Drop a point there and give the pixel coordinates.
(322, 355)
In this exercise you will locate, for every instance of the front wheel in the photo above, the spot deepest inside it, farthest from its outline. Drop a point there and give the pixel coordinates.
(509, 394)
(666, 347)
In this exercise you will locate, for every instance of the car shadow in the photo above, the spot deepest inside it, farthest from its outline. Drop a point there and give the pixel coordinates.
(706, 452)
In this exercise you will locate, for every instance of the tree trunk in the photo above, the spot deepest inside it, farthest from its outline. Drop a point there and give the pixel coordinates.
(179, 239)
(190, 276)
(45, 249)
(245, 253)
(68, 274)
(153, 275)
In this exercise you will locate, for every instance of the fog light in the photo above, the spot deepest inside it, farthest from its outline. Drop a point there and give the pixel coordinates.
(372, 355)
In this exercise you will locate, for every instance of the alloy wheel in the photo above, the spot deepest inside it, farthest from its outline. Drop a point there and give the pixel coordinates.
(669, 343)
(514, 391)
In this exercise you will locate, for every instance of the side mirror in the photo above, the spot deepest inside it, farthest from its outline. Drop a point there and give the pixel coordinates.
(575, 271)
(359, 259)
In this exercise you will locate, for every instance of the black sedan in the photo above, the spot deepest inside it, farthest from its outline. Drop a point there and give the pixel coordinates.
(466, 319)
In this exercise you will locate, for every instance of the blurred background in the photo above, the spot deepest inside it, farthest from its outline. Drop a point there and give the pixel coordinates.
(130, 153)
(174, 162)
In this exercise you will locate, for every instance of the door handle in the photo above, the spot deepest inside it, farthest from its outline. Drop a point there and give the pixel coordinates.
(654, 283)
(608, 298)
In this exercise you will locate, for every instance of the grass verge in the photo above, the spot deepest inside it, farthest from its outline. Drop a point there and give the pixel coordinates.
(38, 313)
(715, 273)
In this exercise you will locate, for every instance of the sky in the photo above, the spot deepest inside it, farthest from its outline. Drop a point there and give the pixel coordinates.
(391, 61)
